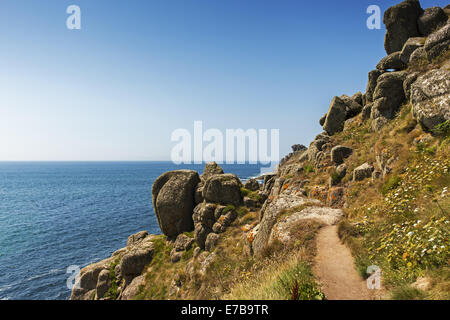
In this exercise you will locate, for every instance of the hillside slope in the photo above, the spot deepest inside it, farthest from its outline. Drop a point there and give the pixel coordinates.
(379, 173)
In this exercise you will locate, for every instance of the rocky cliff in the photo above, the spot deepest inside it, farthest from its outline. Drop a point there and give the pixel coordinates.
(380, 169)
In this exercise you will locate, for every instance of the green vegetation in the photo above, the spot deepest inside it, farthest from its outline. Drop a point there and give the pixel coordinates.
(242, 211)
(251, 194)
(287, 279)
(308, 168)
(228, 208)
(401, 223)
(408, 293)
(245, 192)
(442, 129)
(112, 292)
(392, 183)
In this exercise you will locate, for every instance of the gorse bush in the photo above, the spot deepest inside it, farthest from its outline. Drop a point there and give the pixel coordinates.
(298, 283)
(442, 129)
(245, 192)
(308, 168)
(392, 183)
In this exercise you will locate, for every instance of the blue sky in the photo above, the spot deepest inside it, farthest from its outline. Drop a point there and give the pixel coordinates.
(137, 70)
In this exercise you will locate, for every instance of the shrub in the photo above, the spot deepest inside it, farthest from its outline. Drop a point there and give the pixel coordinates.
(245, 192)
(442, 129)
(307, 168)
(242, 211)
(228, 208)
(408, 293)
(335, 178)
(298, 283)
(392, 183)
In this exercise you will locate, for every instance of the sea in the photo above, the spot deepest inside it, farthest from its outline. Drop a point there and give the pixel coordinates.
(58, 215)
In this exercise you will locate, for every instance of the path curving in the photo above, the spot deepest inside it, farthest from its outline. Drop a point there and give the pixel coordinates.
(334, 269)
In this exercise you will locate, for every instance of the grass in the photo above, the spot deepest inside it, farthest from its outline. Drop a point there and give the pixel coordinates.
(251, 194)
(408, 293)
(392, 183)
(308, 168)
(245, 192)
(280, 280)
(242, 211)
(442, 129)
(228, 208)
(157, 281)
(112, 292)
(389, 223)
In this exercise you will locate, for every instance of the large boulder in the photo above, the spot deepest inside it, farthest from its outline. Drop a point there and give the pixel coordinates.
(392, 62)
(270, 214)
(322, 119)
(134, 261)
(103, 283)
(372, 83)
(204, 213)
(438, 42)
(430, 97)
(285, 230)
(366, 111)
(362, 172)
(336, 116)
(410, 79)
(353, 108)
(133, 289)
(224, 189)
(409, 47)
(211, 241)
(252, 185)
(339, 153)
(358, 98)
(390, 85)
(401, 24)
(173, 201)
(388, 97)
(211, 168)
(418, 56)
(431, 19)
(88, 279)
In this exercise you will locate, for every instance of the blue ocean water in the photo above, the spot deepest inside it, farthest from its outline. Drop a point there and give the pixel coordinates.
(54, 215)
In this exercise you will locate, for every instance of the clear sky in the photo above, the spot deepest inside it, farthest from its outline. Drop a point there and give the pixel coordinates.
(138, 70)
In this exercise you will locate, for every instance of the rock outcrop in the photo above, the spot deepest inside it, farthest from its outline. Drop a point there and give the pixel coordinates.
(388, 97)
(431, 19)
(437, 42)
(174, 201)
(339, 153)
(364, 171)
(430, 98)
(119, 270)
(393, 61)
(252, 185)
(336, 116)
(270, 214)
(224, 189)
(211, 169)
(401, 24)
(411, 45)
(198, 214)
